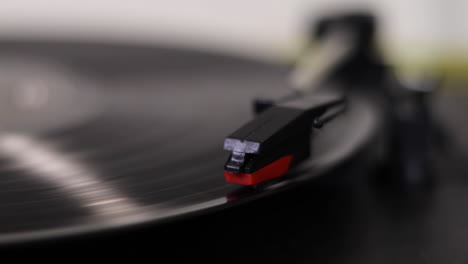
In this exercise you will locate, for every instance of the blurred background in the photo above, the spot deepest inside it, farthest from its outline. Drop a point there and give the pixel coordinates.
(417, 35)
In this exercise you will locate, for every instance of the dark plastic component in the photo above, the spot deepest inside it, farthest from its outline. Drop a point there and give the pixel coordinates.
(364, 64)
(281, 130)
(361, 24)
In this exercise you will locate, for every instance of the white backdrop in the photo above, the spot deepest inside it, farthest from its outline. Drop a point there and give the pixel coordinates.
(261, 28)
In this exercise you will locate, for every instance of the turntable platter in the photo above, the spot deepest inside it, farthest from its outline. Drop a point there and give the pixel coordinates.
(98, 136)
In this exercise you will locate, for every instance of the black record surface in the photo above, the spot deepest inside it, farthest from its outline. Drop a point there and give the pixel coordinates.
(95, 136)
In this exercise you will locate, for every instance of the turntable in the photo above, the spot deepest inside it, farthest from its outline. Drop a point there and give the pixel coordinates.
(128, 147)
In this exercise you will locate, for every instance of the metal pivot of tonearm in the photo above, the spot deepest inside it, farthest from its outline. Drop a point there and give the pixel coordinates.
(278, 138)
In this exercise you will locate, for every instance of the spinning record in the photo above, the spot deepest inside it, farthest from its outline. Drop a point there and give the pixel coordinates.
(95, 136)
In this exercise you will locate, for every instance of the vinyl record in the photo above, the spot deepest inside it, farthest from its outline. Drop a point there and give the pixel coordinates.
(97, 136)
